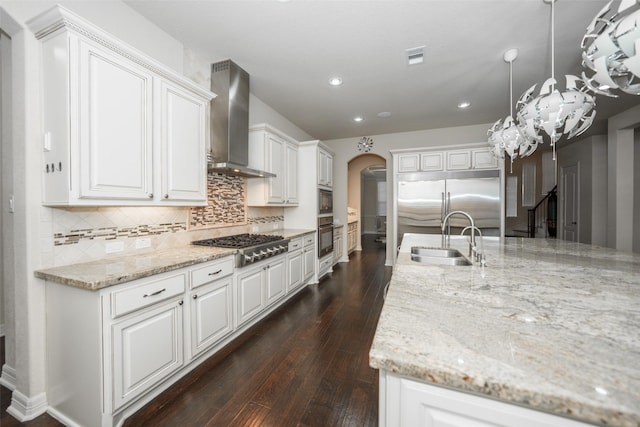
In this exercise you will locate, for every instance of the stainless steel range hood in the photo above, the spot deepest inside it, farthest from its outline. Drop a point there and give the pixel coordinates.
(230, 122)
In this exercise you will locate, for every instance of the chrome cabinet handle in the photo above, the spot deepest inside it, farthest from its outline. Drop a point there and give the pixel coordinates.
(154, 293)
(215, 272)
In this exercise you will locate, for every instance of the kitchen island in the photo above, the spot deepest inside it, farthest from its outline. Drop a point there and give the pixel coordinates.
(550, 326)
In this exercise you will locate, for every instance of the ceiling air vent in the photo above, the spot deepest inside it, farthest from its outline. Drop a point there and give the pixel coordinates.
(415, 55)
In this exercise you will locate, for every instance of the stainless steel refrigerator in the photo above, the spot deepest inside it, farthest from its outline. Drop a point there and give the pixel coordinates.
(423, 199)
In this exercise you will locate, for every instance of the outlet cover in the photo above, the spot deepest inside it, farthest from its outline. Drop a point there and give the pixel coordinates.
(117, 246)
(143, 242)
(254, 229)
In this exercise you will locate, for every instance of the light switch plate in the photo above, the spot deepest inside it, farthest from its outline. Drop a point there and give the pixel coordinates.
(254, 229)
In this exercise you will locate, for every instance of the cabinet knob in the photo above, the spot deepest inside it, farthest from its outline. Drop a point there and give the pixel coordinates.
(166, 196)
(195, 296)
(150, 195)
(180, 302)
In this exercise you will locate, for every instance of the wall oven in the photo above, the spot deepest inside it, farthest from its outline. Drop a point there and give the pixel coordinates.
(325, 235)
(325, 202)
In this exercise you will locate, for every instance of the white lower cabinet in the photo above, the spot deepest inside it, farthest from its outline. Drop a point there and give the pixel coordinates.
(259, 287)
(406, 402)
(211, 304)
(147, 348)
(112, 350)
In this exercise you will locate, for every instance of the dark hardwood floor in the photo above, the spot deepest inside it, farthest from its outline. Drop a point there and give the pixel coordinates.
(307, 364)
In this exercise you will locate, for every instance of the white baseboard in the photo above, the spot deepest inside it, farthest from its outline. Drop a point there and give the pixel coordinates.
(8, 377)
(24, 408)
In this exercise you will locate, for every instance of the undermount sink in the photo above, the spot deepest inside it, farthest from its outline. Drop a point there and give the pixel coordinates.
(438, 256)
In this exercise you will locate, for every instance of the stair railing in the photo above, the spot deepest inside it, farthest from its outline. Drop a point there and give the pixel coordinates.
(544, 213)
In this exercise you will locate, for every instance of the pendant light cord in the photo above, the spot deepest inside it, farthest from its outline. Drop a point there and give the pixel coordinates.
(553, 53)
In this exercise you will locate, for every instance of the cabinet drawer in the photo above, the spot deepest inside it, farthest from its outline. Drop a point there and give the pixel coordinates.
(145, 294)
(309, 240)
(295, 244)
(212, 271)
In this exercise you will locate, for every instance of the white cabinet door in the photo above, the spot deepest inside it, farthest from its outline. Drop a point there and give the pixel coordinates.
(275, 164)
(211, 314)
(115, 126)
(275, 280)
(484, 159)
(250, 299)
(432, 162)
(458, 160)
(308, 262)
(408, 162)
(183, 141)
(147, 348)
(291, 174)
(325, 168)
(294, 270)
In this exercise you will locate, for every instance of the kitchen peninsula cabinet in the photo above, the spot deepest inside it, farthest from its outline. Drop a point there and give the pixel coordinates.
(119, 127)
(273, 151)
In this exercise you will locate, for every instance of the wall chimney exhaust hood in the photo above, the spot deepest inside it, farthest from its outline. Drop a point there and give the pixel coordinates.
(230, 122)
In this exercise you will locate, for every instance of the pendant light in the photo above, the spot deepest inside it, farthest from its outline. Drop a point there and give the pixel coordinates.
(552, 113)
(504, 136)
(611, 49)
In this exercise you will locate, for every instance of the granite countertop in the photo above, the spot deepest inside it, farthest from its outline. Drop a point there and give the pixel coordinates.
(95, 275)
(548, 324)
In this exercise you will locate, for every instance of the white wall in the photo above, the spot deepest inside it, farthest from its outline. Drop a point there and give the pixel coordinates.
(346, 149)
(590, 156)
(621, 219)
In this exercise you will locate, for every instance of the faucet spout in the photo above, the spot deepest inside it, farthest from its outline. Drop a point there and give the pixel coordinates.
(445, 221)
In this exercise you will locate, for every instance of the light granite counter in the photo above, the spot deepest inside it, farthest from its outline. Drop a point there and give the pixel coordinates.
(114, 270)
(547, 324)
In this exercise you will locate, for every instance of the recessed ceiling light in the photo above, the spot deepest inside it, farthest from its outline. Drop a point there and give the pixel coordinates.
(464, 104)
(358, 119)
(384, 114)
(335, 81)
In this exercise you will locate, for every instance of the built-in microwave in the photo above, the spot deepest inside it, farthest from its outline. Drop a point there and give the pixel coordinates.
(325, 202)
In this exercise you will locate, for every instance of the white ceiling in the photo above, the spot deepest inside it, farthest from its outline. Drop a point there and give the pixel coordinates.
(291, 49)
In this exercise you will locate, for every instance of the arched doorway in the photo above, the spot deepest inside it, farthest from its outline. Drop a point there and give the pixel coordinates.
(366, 197)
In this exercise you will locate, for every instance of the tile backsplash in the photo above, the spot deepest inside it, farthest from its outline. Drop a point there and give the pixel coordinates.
(83, 234)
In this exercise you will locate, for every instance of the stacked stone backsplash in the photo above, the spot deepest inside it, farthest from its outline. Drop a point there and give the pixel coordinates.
(82, 234)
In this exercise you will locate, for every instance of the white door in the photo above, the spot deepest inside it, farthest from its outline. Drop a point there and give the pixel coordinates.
(294, 269)
(275, 164)
(211, 315)
(184, 121)
(115, 126)
(291, 184)
(146, 349)
(275, 281)
(250, 295)
(570, 203)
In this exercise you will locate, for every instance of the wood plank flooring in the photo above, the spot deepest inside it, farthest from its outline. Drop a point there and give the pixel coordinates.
(305, 365)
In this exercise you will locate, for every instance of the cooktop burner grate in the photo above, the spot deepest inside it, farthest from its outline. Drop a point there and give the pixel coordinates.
(239, 240)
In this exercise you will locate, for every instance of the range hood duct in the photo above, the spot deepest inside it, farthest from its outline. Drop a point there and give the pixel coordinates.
(230, 122)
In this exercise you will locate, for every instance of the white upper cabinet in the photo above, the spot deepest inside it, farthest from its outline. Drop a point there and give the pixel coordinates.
(325, 168)
(119, 127)
(439, 160)
(273, 151)
(184, 122)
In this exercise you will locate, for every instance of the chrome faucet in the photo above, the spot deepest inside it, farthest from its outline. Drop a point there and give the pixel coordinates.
(478, 256)
(472, 242)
